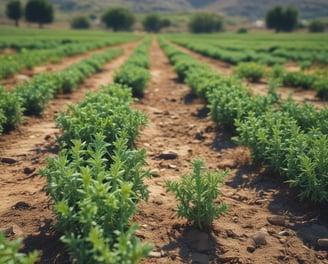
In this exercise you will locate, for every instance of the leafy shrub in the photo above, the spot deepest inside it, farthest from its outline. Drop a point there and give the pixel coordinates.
(103, 113)
(275, 139)
(205, 23)
(277, 72)
(9, 252)
(80, 22)
(242, 31)
(197, 193)
(10, 111)
(316, 26)
(321, 86)
(97, 180)
(299, 79)
(250, 70)
(118, 19)
(134, 77)
(35, 95)
(134, 71)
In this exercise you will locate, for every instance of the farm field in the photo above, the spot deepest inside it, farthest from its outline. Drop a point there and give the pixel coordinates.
(179, 123)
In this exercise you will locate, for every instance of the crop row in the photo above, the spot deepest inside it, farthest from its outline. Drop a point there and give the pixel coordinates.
(31, 97)
(288, 138)
(134, 72)
(20, 38)
(254, 71)
(13, 63)
(97, 179)
(252, 65)
(303, 48)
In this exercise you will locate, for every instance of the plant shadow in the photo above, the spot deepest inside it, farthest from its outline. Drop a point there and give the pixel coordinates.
(47, 242)
(192, 245)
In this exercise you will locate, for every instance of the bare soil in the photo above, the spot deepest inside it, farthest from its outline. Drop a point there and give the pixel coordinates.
(178, 122)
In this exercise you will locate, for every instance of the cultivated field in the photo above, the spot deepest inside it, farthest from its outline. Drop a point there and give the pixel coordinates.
(94, 124)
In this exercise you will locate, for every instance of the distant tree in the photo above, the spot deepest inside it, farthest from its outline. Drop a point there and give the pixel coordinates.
(242, 30)
(290, 19)
(39, 11)
(282, 20)
(206, 23)
(153, 23)
(165, 22)
(14, 11)
(316, 26)
(118, 19)
(80, 22)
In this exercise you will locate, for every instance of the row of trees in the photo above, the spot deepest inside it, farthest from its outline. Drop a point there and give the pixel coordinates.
(121, 19)
(35, 11)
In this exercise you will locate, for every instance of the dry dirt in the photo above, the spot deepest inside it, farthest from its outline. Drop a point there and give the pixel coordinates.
(178, 122)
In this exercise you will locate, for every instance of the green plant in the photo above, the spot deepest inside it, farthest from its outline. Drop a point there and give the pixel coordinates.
(252, 71)
(134, 77)
(321, 86)
(10, 110)
(197, 193)
(9, 252)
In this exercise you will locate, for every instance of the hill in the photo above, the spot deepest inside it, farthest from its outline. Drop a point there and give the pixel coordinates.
(251, 9)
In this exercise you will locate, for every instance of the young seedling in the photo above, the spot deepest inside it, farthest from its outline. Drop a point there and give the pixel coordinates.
(197, 193)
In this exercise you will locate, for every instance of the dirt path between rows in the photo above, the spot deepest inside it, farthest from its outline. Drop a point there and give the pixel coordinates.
(24, 205)
(178, 122)
(299, 95)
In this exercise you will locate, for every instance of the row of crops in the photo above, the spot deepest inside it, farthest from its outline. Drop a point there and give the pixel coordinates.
(31, 97)
(26, 58)
(288, 138)
(97, 179)
(252, 62)
(267, 48)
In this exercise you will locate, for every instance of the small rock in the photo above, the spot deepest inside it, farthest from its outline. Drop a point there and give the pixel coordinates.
(170, 154)
(154, 172)
(198, 258)
(172, 166)
(259, 238)
(283, 233)
(282, 240)
(18, 231)
(22, 206)
(260, 201)
(251, 249)
(8, 160)
(277, 220)
(323, 242)
(154, 254)
(28, 170)
(235, 219)
(199, 136)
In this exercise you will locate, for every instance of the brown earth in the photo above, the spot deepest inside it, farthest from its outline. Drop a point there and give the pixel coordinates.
(177, 122)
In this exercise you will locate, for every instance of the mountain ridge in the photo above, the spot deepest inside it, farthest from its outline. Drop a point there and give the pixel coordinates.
(251, 9)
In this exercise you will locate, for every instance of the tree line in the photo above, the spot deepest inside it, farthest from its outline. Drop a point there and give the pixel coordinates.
(121, 19)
